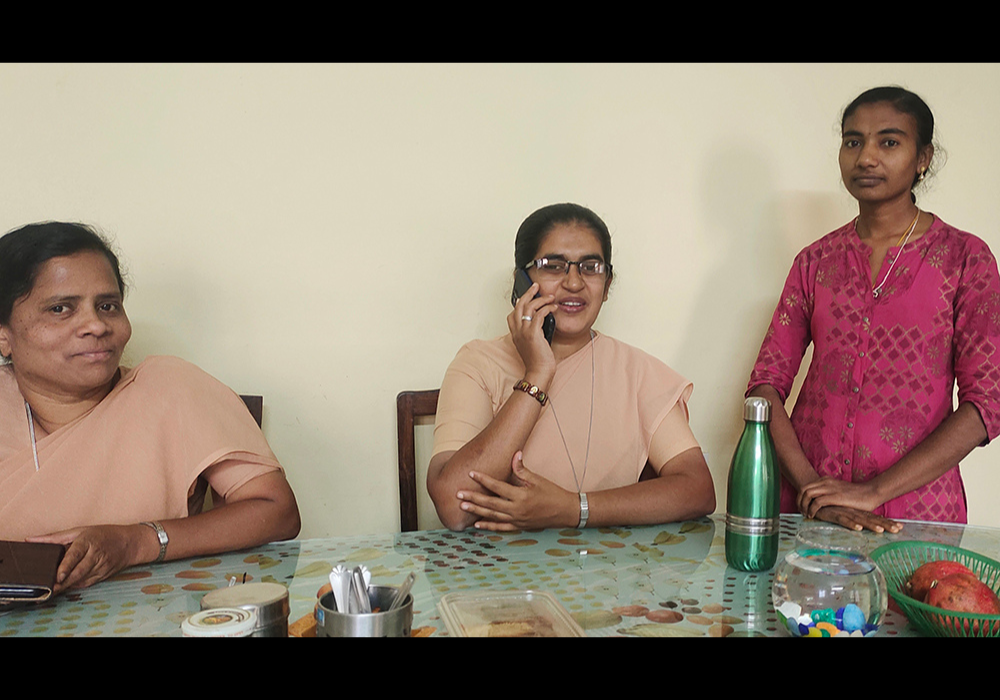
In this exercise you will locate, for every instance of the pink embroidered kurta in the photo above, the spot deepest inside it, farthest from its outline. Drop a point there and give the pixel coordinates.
(884, 369)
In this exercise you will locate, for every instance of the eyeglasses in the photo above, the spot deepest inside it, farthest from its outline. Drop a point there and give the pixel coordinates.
(554, 267)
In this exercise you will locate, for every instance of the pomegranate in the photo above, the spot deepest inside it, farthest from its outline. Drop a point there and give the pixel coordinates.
(963, 592)
(925, 576)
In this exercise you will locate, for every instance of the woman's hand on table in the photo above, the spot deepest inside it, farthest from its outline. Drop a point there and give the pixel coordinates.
(854, 519)
(828, 491)
(95, 553)
(844, 503)
(528, 337)
(530, 502)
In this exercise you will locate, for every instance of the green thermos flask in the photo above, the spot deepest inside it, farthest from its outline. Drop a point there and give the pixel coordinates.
(753, 498)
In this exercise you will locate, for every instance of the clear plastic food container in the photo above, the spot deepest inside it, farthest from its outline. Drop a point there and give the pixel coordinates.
(506, 614)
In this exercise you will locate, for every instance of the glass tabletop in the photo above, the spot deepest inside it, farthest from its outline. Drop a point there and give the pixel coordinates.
(656, 581)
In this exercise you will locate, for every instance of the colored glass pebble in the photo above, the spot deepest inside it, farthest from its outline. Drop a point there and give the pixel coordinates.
(831, 630)
(824, 615)
(848, 621)
(853, 618)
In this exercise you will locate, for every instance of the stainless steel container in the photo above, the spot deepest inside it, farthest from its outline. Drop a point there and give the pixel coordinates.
(332, 623)
(220, 622)
(753, 497)
(268, 600)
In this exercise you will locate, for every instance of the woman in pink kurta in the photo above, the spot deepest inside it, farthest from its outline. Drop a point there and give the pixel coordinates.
(899, 306)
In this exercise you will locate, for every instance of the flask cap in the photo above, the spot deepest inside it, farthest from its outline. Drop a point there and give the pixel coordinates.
(757, 409)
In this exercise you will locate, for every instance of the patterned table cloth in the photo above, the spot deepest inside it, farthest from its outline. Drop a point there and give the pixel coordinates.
(656, 581)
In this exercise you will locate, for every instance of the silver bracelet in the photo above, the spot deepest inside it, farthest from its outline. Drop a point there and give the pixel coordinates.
(584, 510)
(161, 536)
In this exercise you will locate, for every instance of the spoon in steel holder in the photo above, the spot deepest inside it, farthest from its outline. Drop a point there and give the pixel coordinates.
(360, 591)
(403, 591)
(340, 582)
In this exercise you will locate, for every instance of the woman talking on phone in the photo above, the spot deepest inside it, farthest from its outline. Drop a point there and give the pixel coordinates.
(899, 306)
(580, 430)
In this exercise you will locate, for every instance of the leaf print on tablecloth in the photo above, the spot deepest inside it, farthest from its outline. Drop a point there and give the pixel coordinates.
(193, 574)
(205, 563)
(365, 554)
(596, 619)
(658, 630)
(199, 586)
(651, 551)
(618, 531)
(630, 610)
(316, 568)
(668, 538)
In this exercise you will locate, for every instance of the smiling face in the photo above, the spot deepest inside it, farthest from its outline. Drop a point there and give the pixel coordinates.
(579, 297)
(879, 155)
(66, 337)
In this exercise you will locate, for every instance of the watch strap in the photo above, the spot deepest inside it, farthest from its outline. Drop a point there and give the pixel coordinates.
(161, 536)
(532, 390)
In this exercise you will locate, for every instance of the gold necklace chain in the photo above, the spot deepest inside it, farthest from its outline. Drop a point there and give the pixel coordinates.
(900, 243)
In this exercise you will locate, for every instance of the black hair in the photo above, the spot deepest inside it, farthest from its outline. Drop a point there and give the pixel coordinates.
(905, 102)
(541, 222)
(23, 251)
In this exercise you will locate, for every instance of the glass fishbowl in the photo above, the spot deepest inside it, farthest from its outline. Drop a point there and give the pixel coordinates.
(828, 586)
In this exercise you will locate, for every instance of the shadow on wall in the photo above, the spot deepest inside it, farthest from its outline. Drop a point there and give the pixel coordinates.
(754, 236)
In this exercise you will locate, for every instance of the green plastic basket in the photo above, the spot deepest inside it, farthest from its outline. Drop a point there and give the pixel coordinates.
(899, 560)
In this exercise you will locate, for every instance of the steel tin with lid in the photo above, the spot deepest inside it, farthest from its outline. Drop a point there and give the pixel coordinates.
(268, 602)
(220, 622)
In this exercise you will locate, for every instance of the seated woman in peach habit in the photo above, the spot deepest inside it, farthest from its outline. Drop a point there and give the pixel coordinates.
(578, 430)
(104, 459)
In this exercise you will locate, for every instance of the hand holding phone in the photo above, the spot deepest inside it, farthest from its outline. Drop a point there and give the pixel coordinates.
(522, 283)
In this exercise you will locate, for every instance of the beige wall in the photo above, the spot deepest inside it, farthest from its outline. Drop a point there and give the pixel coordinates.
(329, 235)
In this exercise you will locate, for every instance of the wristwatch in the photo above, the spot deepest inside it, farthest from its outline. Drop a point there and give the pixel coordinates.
(161, 535)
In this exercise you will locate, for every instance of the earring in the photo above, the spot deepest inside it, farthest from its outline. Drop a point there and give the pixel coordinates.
(920, 176)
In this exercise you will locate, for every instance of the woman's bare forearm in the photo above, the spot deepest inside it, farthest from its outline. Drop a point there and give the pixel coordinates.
(792, 460)
(490, 452)
(262, 510)
(683, 490)
(945, 447)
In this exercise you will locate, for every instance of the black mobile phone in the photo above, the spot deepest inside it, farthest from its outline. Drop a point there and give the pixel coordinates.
(521, 285)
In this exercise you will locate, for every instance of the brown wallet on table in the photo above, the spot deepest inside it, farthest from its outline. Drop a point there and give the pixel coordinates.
(28, 570)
